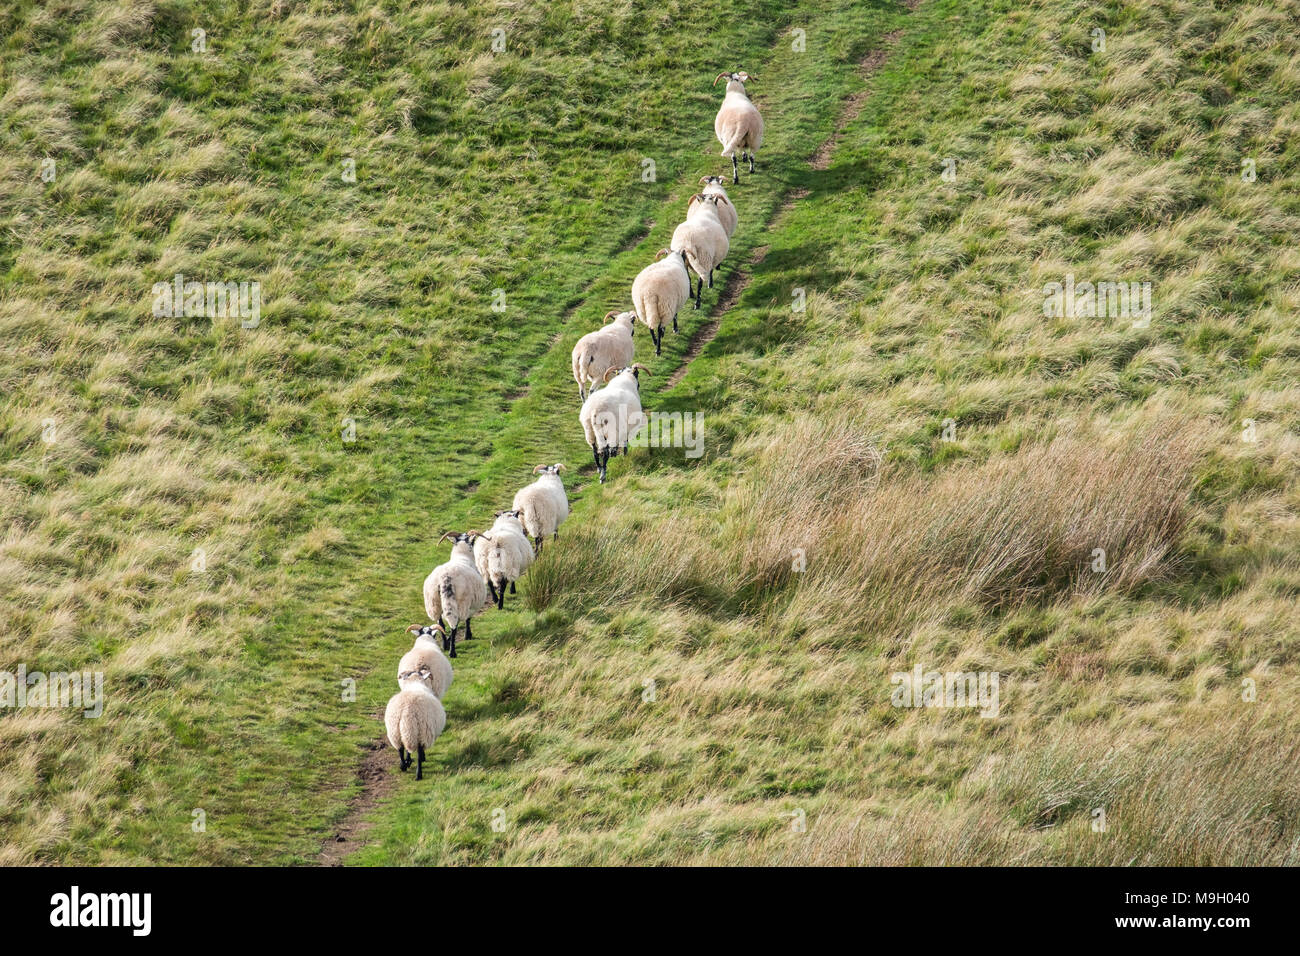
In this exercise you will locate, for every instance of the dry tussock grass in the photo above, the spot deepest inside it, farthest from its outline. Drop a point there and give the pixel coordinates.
(880, 544)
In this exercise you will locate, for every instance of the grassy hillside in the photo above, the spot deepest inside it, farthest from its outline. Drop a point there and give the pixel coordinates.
(669, 686)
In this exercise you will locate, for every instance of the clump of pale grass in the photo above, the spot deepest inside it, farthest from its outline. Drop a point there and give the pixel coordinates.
(815, 533)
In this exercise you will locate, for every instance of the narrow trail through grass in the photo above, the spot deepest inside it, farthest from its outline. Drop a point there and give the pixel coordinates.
(545, 410)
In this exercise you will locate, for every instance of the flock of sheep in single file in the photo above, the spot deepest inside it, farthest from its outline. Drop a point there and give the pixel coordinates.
(483, 564)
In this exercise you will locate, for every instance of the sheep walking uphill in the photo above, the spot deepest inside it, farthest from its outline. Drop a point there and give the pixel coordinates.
(596, 351)
(454, 592)
(543, 505)
(424, 656)
(658, 293)
(414, 718)
(611, 415)
(702, 238)
(503, 554)
(738, 125)
(726, 211)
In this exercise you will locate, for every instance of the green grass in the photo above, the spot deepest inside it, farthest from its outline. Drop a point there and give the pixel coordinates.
(522, 172)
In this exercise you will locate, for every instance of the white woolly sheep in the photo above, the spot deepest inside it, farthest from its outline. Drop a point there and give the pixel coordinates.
(455, 591)
(611, 415)
(702, 238)
(609, 345)
(543, 505)
(414, 718)
(426, 655)
(726, 211)
(738, 125)
(659, 292)
(503, 553)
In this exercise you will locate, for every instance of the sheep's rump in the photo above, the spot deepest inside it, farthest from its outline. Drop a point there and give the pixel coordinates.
(414, 719)
(612, 425)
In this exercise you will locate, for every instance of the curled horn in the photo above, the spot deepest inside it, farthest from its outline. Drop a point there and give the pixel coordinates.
(705, 179)
(641, 367)
(612, 368)
(538, 468)
(608, 316)
(696, 198)
(448, 534)
(559, 466)
(661, 253)
(415, 629)
(720, 76)
(745, 77)
(718, 197)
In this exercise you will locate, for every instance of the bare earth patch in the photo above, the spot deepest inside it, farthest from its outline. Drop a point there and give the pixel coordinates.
(737, 282)
(378, 779)
(872, 62)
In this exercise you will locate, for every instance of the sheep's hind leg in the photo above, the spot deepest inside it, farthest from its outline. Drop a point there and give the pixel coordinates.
(735, 170)
(710, 278)
(674, 323)
(699, 292)
(492, 589)
(419, 767)
(468, 632)
(751, 162)
(449, 642)
(401, 757)
(501, 597)
(512, 587)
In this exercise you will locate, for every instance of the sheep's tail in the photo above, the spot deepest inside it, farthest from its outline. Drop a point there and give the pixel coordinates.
(448, 599)
(497, 563)
(585, 363)
(531, 519)
(735, 142)
(654, 307)
(409, 727)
